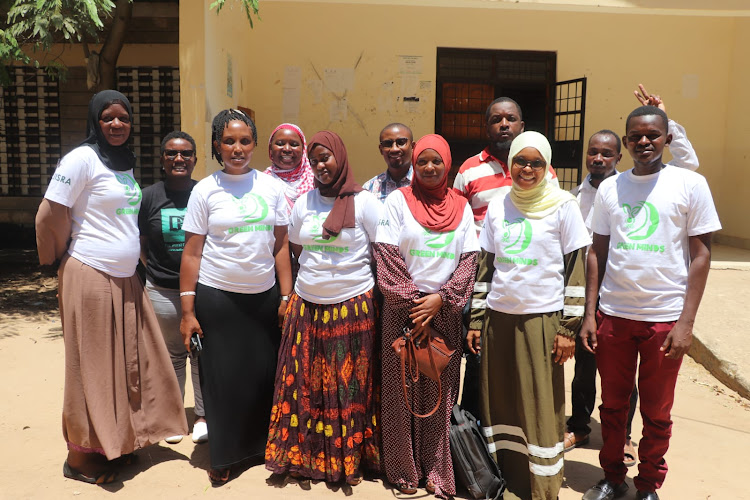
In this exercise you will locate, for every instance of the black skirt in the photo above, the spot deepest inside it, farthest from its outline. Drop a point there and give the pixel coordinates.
(238, 366)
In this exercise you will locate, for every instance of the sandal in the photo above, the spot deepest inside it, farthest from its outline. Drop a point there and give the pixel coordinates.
(430, 487)
(406, 489)
(219, 477)
(629, 452)
(105, 477)
(354, 481)
(126, 459)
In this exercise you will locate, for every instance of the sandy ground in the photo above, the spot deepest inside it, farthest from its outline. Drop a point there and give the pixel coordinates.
(706, 458)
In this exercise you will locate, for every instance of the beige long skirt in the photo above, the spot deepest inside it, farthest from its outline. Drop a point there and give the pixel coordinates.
(121, 392)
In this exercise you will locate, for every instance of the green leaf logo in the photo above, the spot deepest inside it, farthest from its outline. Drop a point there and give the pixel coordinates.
(132, 189)
(252, 207)
(642, 221)
(439, 240)
(516, 235)
(317, 230)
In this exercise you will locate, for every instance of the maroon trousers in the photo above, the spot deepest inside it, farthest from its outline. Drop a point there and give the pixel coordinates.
(620, 342)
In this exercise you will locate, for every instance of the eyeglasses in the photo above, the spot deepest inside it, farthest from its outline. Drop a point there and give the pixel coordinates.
(522, 162)
(171, 154)
(400, 142)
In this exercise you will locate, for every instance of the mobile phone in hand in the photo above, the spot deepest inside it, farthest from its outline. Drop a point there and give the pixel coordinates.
(196, 346)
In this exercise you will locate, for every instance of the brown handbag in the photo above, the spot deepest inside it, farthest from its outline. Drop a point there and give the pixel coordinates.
(429, 358)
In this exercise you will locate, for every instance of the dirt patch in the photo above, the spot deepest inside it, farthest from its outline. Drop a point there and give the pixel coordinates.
(26, 291)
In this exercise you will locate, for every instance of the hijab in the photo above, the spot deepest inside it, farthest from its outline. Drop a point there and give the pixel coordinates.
(544, 198)
(119, 158)
(439, 208)
(343, 187)
(298, 180)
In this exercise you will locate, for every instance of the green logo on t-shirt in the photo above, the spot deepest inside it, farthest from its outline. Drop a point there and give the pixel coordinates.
(316, 231)
(252, 207)
(132, 189)
(439, 240)
(642, 221)
(171, 228)
(516, 235)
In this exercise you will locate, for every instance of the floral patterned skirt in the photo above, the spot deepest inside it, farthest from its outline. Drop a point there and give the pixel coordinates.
(324, 420)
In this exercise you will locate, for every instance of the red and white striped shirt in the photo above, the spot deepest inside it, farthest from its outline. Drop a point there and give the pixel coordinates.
(482, 178)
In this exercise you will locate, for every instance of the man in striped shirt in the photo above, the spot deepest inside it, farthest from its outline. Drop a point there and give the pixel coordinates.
(487, 175)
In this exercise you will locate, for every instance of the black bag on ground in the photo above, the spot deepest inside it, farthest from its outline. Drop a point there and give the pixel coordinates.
(472, 462)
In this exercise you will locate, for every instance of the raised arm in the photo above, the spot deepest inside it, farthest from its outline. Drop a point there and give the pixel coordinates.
(683, 154)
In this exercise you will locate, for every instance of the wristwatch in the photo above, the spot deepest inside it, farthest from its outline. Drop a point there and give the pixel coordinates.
(285, 298)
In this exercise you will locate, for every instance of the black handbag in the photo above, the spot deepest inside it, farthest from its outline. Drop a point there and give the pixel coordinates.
(473, 464)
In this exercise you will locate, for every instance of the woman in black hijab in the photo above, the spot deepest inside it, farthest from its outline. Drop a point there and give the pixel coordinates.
(121, 393)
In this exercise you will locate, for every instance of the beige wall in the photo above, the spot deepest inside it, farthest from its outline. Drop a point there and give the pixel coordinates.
(695, 63)
(731, 186)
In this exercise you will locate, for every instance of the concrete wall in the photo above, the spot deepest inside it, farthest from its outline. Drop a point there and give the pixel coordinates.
(695, 63)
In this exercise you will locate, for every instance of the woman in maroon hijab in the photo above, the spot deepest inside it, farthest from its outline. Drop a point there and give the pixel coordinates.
(426, 252)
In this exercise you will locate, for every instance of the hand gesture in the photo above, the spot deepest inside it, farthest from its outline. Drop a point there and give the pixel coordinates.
(189, 325)
(647, 99)
(564, 348)
(588, 333)
(474, 341)
(283, 305)
(425, 310)
(678, 340)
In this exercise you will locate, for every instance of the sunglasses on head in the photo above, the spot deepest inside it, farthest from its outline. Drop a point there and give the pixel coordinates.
(400, 142)
(171, 154)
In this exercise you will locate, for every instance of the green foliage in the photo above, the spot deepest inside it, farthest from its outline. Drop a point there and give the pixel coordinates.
(37, 24)
(246, 5)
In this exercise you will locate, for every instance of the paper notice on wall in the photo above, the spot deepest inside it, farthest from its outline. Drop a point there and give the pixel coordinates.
(290, 106)
(385, 98)
(425, 85)
(409, 85)
(338, 80)
(292, 77)
(690, 86)
(410, 65)
(337, 110)
(316, 89)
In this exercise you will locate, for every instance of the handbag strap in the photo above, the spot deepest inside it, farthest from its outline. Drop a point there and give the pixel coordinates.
(410, 349)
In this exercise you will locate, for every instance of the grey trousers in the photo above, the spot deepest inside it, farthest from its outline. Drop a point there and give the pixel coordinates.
(166, 302)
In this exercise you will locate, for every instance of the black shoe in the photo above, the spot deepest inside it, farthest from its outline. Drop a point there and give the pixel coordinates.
(646, 495)
(605, 490)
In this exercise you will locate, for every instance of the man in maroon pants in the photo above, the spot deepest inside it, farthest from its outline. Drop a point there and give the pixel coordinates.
(648, 266)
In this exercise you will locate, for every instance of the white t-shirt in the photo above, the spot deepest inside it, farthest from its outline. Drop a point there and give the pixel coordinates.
(104, 205)
(529, 275)
(649, 219)
(237, 214)
(431, 257)
(336, 269)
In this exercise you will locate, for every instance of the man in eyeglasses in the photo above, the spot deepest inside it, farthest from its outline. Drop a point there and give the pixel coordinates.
(396, 145)
(602, 156)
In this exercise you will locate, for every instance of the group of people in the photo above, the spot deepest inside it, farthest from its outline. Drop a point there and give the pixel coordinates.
(297, 281)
